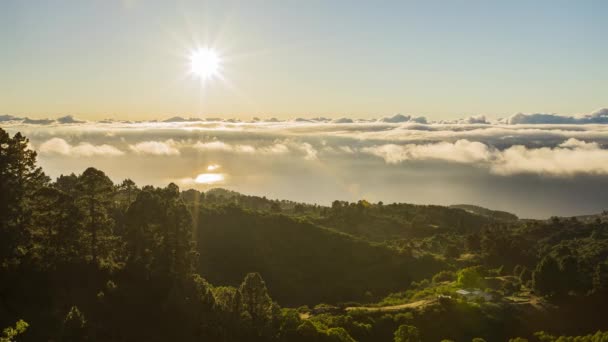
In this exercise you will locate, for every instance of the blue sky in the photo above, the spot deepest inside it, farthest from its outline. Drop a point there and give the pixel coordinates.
(440, 59)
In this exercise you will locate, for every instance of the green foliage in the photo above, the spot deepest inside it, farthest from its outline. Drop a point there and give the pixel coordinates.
(599, 336)
(20, 178)
(407, 333)
(338, 335)
(600, 279)
(444, 276)
(471, 277)
(294, 256)
(8, 334)
(546, 278)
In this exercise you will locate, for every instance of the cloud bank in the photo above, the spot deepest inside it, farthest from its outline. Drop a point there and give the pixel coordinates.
(528, 163)
(59, 146)
(569, 158)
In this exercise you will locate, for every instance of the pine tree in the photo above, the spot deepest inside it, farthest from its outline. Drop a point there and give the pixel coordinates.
(19, 179)
(547, 277)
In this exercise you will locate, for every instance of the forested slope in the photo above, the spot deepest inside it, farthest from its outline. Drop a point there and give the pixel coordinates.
(302, 263)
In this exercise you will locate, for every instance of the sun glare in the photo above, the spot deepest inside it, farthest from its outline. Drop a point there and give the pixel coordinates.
(205, 63)
(209, 178)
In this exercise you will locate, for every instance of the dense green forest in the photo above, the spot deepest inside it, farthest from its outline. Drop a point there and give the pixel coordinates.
(85, 259)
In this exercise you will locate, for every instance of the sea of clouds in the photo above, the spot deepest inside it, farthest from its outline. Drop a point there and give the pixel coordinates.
(397, 158)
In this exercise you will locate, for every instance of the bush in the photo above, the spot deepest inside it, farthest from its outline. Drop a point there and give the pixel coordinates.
(444, 276)
(471, 277)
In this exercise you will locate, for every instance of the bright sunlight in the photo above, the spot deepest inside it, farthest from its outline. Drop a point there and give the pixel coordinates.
(205, 63)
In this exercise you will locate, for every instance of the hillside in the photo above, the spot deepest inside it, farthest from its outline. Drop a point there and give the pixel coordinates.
(301, 262)
(496, 214)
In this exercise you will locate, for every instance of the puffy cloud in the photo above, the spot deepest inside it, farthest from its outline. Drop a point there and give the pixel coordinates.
(84, 149)
(68, 119)
(476, 119)
(342, 120)
(568, 158)
(222, 146)
(310, 153)
(399, 118)
(462, 151)
(4, 118)
(277, 148)
(600, 116)
(38, 121)
(158, 148)
(396, 118)
(213, 146)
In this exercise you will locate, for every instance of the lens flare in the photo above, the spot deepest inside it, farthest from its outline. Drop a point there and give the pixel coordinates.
(205, 63)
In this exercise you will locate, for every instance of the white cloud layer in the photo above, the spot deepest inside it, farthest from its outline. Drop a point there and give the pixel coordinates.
(59, 146)
(535, 167)
(540, 144)
(569, 158)
(157, 148)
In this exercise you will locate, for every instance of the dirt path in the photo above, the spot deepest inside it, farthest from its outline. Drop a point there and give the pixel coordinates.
(412, 305)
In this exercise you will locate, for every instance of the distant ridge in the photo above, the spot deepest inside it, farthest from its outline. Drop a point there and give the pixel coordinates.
(496, 214)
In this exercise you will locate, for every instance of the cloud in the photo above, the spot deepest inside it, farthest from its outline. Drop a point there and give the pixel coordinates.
(157, 148)
(476, 119)
(462, 151)
(277, 148)
(396, 118)
(569, 158)
(38, 121)
(342, 120)
(68, 119)
(222, 146)
(310, 153)
(213, 146)
(59, 146)
(4, 118)
(600, 116)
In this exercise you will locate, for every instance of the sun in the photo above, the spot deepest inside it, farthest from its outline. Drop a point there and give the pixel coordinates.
(205, 63)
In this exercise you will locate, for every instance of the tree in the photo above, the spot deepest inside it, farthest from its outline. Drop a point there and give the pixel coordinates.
(275, 207)
(256, 301)
(473, 243)
(407, 333)
(128, 191)
(159, 233)
(339, 334)
(546, 277)
(74, 326)
(95, 198)
(19, 179)
(570, 274)
(600, 279)
(56, 228)
(470, 277)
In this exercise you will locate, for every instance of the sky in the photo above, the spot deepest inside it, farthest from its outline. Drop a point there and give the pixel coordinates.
(440, 59)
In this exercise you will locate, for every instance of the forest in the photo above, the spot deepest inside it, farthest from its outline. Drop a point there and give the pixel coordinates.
(84, 258)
